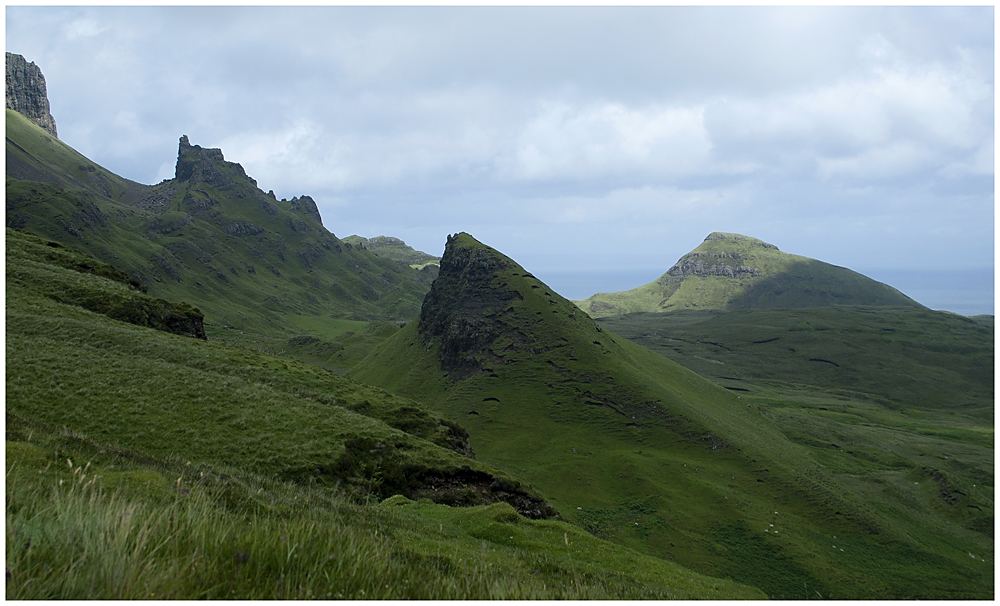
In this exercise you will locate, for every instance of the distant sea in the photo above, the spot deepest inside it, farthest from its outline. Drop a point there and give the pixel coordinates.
(967, 292)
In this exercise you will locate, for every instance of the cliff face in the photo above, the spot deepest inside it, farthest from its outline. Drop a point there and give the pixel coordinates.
(26, 92)
(465, 305)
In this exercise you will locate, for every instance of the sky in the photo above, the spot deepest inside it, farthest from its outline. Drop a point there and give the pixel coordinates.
(593, 145)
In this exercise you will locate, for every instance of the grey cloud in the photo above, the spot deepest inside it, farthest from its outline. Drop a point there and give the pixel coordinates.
(588, 120)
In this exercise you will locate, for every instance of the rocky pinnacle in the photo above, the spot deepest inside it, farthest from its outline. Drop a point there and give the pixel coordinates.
(26, 92)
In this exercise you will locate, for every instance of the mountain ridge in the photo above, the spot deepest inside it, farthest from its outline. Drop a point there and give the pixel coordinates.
(209, 235)
(393, 248)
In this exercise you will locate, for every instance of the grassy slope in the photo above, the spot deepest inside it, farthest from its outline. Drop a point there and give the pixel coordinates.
(40, 264)
(394, 248)
(263, 284)
(125, 526)
(865, 389)
(174, 396)
(915, 359)
(142, 464)
(646, 453)
(785, 281)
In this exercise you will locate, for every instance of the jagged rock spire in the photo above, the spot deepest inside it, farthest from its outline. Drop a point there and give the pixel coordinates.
(200, 164)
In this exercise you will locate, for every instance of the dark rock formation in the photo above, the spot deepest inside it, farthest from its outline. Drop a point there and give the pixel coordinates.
(465, 305)
(242, 228)
(462, 487)
(306, 206)
(26, 92)
(205, 165)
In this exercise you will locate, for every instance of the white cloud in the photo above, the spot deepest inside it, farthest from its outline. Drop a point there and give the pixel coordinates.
(979, 163)
(293, 160)
(610, 139)
(82, 28)
(894, 160)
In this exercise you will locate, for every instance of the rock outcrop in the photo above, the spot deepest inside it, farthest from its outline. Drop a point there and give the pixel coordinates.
(307, 206)
(465, 305)
(26, 92)
(199, 164)
(711, 264)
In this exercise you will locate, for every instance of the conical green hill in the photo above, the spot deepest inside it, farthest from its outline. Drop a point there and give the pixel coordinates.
(731, 271)
(630, 445)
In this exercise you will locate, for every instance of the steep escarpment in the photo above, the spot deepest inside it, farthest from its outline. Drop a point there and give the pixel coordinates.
(27, 94)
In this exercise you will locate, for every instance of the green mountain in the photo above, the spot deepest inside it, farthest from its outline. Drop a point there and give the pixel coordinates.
(730, 271)
(396, 249)
(261, 269)
(143, 464)
(641, 451)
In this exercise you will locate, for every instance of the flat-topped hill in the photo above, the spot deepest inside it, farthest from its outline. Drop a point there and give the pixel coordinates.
(394, 248)
(732, 271)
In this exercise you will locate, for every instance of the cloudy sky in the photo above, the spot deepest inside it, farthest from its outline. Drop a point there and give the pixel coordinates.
(594, 146)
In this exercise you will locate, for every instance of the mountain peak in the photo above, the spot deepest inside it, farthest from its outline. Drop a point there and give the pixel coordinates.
(27, 94)
(732, 271)
(719, 235)
(465, 303)
(199, 164)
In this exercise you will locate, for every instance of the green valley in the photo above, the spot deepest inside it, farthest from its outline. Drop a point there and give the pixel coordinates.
(209, 395)
(145, 464)
(640, 450)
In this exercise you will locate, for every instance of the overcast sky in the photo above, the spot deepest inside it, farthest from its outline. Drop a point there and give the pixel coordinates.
(571, 139)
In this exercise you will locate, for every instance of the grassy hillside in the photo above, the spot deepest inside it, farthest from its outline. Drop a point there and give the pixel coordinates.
(143, 464)
(730, 271)
(640, 450)
(914, 361)
(261, 269)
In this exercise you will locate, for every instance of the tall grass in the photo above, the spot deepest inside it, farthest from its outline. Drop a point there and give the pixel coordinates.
(71, 537)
